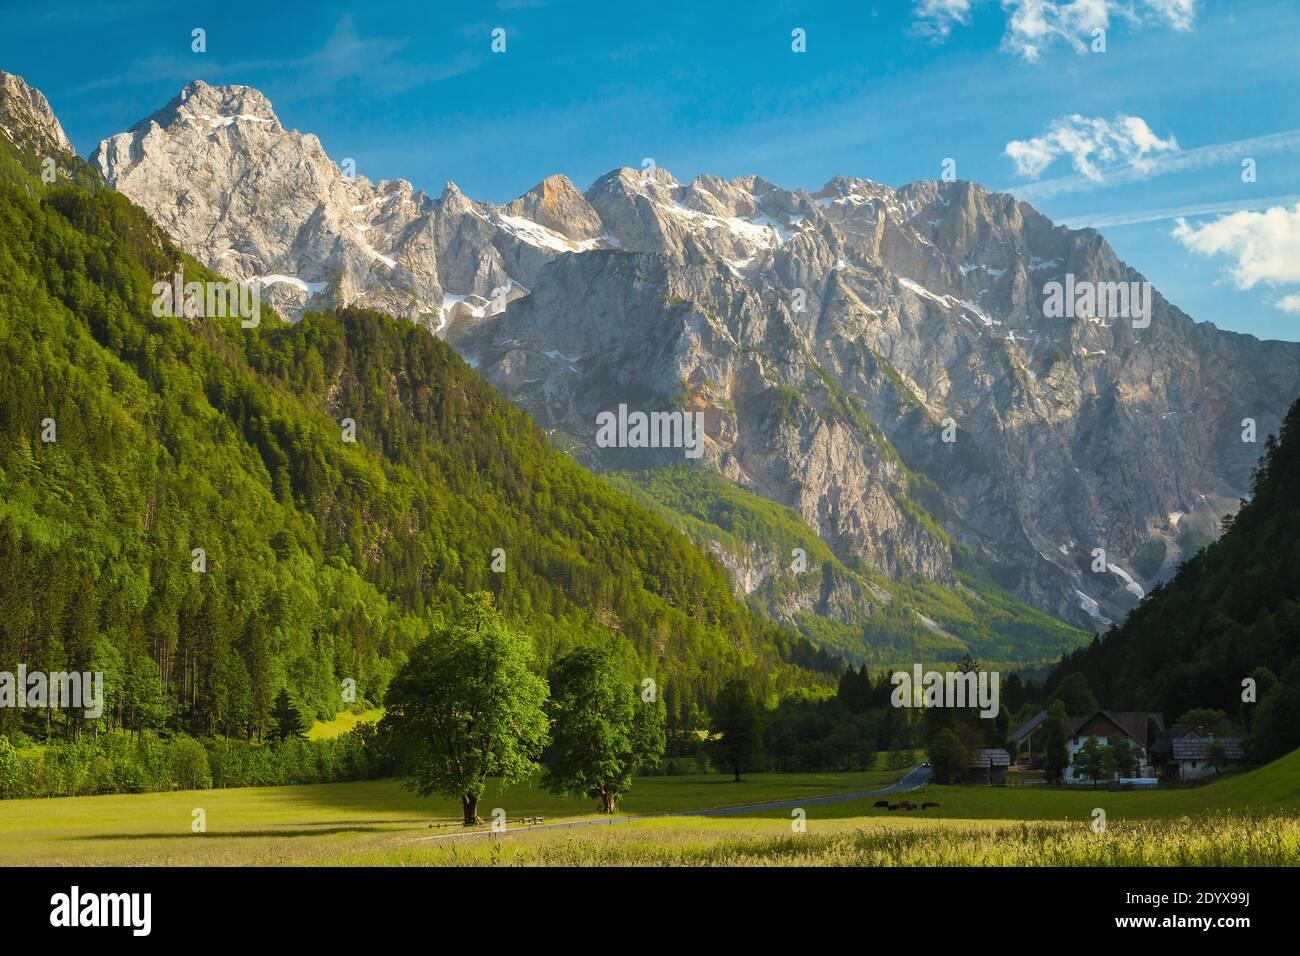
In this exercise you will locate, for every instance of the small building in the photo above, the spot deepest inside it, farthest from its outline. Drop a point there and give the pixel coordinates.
(1023, 737)
(1108, 726)
(1105, 725)
(1194, 754)
(988, 766)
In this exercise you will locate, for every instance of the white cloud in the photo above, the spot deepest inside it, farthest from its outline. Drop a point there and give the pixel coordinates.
(1184, 160)
(935, 18)
(1179, 14)
(1289, 303)
(1265, 246)
(1090, 144)
(1034, 25)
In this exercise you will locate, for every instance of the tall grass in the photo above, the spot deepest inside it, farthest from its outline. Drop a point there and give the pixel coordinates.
(1227, 840)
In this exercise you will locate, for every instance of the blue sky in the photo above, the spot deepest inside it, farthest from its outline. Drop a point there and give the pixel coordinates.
(1131, 139)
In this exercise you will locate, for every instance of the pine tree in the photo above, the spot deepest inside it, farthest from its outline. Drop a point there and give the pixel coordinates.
(738, 718)
(286, 722)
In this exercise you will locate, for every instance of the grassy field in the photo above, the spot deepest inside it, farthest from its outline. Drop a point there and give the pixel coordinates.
(1233, 840)
(1251, 818)
(259, 825)
(341, 724)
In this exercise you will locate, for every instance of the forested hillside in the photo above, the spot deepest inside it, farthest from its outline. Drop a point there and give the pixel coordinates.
(861, 615)
(127, 441)
(1231, 612)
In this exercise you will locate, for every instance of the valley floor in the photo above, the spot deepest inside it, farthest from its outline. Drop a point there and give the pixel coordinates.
(1251, 819)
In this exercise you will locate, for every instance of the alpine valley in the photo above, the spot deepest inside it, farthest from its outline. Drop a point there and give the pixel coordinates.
(893, 422)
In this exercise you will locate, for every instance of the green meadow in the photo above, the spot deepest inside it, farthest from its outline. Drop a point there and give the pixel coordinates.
(1251, 818)
(342, 723)
(270, 825)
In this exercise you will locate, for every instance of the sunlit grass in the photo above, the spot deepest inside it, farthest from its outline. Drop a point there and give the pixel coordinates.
(342, 723)
(287, 824)
(1230, 840)
(1247, 819)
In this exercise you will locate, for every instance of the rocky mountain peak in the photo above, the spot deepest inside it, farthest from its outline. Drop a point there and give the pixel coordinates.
(26, 119)
(559, 206)
(825, 338)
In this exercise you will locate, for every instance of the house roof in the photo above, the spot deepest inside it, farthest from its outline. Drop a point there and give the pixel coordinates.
(1029, 726)
(1164, 742)
(989, 756)
(1193, 747)
(1133, 723)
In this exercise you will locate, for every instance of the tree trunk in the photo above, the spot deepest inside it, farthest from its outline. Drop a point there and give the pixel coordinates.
(737, 769)
(609, 800)
(469, 803)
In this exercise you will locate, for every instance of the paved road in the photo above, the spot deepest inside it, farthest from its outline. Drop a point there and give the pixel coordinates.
(914, 778)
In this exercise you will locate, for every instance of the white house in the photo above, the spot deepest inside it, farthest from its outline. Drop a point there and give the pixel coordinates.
(1108, 726)
(1191, 754)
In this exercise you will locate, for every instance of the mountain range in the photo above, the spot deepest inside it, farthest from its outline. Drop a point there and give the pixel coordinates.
(879, 382)
(207, 512)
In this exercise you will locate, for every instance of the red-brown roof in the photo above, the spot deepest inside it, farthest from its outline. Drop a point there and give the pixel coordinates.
(1132, 723)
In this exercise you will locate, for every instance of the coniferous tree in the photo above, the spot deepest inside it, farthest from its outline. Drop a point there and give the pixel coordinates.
(737, 718)
(286, 721)
(1056, 754)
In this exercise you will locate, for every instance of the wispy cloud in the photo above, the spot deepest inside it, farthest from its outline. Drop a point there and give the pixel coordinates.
(379, 63)
(1101, 220)
(1033, 26)
(1185, 160)
(936, 18)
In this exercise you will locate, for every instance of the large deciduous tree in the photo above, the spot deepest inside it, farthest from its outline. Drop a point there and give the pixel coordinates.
(1125, 757)
(948, 757)
(466, 706)
(601, 728)
(1090, 761)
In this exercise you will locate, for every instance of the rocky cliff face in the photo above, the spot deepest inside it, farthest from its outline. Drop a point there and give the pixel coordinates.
(261, 203)
(27, 121)
(889, 363)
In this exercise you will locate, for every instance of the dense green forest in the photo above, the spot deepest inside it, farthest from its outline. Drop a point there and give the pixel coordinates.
(1231, 613)
(128, 441)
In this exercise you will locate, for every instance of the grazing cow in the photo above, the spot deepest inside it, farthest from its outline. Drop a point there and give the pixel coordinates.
(894, 806)
(910, 806)
(928, 804)
(881, 803)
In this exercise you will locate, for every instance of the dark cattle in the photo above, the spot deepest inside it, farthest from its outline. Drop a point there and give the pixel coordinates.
(881, 803)
(928, 804)
(894, 806)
